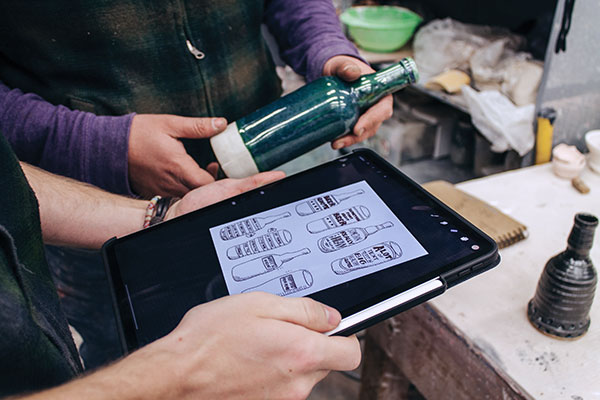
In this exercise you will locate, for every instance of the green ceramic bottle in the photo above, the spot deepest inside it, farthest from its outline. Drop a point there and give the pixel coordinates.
(296, 123)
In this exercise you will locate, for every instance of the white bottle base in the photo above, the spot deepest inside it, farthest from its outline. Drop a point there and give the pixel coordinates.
(232, 154)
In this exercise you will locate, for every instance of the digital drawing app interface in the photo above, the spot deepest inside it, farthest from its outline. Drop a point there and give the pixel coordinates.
(313, 244)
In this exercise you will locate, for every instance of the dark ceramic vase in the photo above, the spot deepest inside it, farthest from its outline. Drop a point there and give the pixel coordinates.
(565, 291)
(313, 115)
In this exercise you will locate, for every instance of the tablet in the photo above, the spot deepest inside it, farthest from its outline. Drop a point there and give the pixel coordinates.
(354, 233)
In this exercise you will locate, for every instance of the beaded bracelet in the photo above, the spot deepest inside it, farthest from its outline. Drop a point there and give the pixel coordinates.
(150, 210)
(162, 206)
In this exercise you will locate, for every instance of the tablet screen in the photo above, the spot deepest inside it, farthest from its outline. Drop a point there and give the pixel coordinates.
(314, 243)
(348, 233)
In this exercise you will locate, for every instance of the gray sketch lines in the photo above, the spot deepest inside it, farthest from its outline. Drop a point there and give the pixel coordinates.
(262, 265)
(320, 203)
(367, 257)
(308, 245)
(337, 219)
(287, 284)
(271, 240)
(349, 237)
(248, 227)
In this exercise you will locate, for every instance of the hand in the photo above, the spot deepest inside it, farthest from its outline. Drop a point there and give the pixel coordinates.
(158, 162)
(248, 346)
(350, 69)
(220, 190)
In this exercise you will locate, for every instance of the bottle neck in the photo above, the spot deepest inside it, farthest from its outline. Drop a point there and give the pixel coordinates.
(370, 88)
(374, 228)
(273, 218)
(290, 256)
(347, 195)
(581, 237)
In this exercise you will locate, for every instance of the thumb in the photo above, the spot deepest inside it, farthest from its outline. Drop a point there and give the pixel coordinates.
(196, 128)
(302, 311)
(348, 71)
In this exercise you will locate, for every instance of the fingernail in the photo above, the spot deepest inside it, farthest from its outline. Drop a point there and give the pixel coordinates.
(350, 68)
(338, 145)
(332, 316)
(361, 132)
(218, 123)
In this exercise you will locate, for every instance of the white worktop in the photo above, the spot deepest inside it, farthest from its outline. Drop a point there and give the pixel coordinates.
(491, 309)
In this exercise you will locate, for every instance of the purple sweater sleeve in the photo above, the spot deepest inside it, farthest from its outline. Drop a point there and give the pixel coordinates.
(308, 33)
(77, 144)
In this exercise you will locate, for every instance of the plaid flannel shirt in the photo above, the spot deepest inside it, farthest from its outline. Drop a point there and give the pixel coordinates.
(151, 56)
(36, 347)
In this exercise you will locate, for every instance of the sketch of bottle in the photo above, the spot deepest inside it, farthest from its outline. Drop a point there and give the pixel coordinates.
(349, 237)
(286, 284)
(341, 218)
(248, 227)
(367, 257)
(262, 265)
(271, 240)
(321, 203)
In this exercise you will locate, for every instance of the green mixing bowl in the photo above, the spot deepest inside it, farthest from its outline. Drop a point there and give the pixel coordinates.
(380, 28)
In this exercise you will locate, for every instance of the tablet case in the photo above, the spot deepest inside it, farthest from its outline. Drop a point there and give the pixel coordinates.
(446, 280)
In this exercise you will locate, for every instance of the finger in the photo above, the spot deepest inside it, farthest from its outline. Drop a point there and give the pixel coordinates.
(348, 140)
(369, 122)
(344, 67)
(348, 71)
(264, 178)
(301, 311)
(195, 128)
(254, 181)
(339, 353)
(172, 188)
(191, 175)
(213, 169)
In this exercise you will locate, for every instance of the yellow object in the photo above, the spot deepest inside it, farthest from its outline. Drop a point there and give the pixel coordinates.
(450, 81)
(543, 142)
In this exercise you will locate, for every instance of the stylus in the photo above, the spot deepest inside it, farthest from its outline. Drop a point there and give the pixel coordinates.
(386, 305)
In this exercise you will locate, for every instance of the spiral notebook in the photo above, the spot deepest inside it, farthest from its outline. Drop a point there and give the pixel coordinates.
(504, 229)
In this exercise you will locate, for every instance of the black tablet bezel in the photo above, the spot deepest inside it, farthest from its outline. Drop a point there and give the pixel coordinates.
(450, 274)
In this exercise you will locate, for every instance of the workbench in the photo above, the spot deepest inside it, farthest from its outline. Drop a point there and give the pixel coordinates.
(475, 341)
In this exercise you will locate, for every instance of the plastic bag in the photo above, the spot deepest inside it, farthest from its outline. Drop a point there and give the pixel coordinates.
(484, 65)
(522, 79)
(448, 44)
(505, 125)
(496, 67)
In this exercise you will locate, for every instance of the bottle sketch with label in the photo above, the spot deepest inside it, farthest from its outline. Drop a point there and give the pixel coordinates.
(286, 284)
(262, 265)
(341, 218)
(367, 257)
(321, 203)
(271, 240)
(248, 227)
(349, 237)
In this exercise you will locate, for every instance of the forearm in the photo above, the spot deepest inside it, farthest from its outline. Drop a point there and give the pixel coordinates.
(80, 215)
(73, 143)
(137, 377)
(308, 33)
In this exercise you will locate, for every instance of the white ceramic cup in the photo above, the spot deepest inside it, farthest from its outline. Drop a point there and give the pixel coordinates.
(592, 141)
(567, 161)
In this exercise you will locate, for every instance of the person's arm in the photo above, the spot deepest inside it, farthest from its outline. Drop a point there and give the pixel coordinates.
(126, 154)
(76, 214)
(67, 142)
(248, 346)
(308, 34)
(311, 41)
